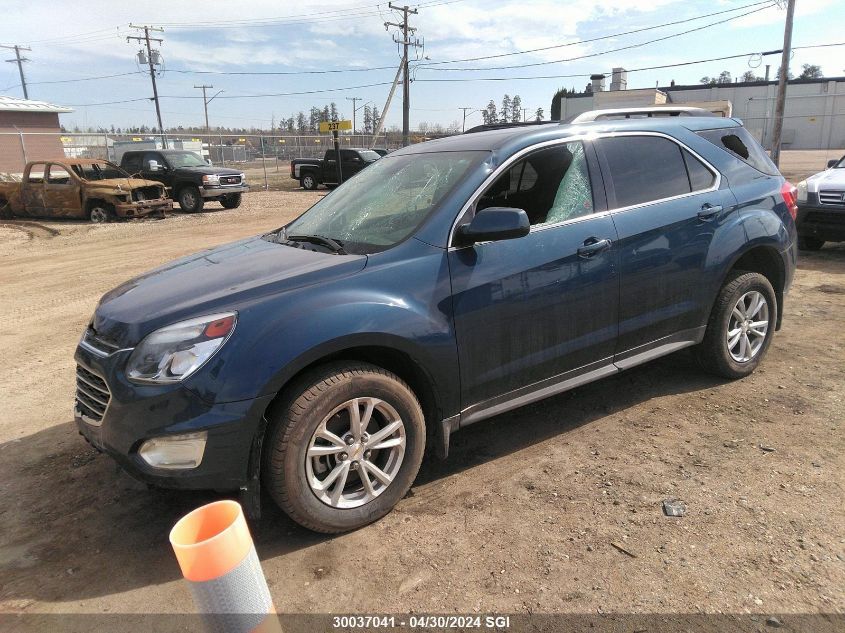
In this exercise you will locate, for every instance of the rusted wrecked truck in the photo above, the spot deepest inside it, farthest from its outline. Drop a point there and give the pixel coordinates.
(96, 190)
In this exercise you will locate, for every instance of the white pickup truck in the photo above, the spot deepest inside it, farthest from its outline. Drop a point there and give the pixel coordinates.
(821, 207)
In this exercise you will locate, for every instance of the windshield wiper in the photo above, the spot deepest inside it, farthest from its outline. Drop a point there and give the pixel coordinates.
(322, 240)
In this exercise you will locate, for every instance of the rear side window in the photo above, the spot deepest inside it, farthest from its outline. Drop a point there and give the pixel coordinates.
(644, 169)
(739, 143)
(699, 176)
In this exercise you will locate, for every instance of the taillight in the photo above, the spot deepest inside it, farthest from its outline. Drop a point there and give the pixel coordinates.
(790, 197)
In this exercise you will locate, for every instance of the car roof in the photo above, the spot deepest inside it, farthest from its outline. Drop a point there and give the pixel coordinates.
(514, 138)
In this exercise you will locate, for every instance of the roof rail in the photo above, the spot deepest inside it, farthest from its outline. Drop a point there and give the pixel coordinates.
(502, 126)
(637, 113)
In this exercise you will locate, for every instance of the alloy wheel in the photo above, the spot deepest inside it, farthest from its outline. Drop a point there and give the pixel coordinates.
(355, 453)
(748, 326)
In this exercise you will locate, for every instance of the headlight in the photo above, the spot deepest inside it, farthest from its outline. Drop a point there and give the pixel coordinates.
(211, 179)
(173, 353)
(802, 191)
(243, 177)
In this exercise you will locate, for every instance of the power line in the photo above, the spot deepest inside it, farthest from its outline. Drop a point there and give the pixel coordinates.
(597, 39)
(68, 81)
(612, 50)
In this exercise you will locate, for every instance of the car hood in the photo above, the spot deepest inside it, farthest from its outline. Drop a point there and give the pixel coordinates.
(214, 280)
(123, 183)
(207, 171)
(827, 178)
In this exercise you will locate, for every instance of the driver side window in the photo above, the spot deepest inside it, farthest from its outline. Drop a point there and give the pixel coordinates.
(551, 185)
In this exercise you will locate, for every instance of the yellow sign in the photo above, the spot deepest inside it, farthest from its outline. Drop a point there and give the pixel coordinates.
(136, 138)
(241, 140)
(65, 139)
(335, 126)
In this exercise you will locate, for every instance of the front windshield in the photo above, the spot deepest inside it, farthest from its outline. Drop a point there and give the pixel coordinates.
(840, 164)
(386, 202)
(99, 171)
(185, 159)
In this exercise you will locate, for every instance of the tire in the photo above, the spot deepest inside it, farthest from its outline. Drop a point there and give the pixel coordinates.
(190, 199)
(309, 182)
(100, 213)
(324, 399)
(715, 353)
(808, 243)
(231, 201)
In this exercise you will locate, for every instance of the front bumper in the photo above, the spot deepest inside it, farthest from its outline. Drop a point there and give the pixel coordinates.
(217, 191)
(136, 413)
(825, 222)
(140, 209)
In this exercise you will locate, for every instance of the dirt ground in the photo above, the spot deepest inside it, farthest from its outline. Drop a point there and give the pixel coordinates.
(555, 507)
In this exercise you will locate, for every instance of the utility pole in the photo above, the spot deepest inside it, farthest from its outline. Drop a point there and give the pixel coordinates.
(152, 64)
(780, 100)
(407, 31)
(354, 100)
(19, 61)
(205, 103)
(464, 125)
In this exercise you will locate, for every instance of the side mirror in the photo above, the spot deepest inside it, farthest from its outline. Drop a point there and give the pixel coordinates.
(208, 162)
(831, 163)
(495, 223)
(153, 165)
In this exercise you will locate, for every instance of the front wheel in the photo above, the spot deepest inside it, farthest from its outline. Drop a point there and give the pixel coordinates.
(309, 182)
(344, 448)
(741, 326)
(231, 201)
(100, 213)
(190, 199)
(807, 243)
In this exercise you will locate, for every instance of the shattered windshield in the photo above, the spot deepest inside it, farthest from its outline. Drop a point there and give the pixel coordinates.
(99, 171)
(386, 202)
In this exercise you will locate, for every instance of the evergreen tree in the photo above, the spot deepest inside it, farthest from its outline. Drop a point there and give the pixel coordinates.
(506, 109)
(516, 109)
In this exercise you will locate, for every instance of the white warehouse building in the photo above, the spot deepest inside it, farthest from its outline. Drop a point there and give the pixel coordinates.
(814, 117)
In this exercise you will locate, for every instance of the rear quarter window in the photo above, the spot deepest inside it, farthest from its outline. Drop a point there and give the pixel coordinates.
(740, 144)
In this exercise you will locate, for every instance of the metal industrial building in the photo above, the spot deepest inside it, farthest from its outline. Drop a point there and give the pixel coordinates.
(28, 130)
(814, 116)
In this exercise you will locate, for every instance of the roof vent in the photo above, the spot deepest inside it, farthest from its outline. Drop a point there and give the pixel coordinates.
(597, 82)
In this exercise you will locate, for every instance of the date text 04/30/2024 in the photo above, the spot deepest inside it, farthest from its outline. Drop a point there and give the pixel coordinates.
(422, 621)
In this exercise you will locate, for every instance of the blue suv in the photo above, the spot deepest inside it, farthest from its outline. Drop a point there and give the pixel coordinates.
(450, 282)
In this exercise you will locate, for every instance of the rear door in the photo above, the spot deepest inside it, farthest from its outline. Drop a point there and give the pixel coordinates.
(32, 189)
(666, 205)
(532, 312)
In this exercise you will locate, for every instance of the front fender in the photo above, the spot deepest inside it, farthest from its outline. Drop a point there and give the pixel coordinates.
(399, 302)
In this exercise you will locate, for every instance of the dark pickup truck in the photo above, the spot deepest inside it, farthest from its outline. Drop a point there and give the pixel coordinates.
(311, 172)
(189, 179)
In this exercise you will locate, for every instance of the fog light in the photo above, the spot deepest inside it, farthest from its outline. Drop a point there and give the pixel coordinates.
(174, 451)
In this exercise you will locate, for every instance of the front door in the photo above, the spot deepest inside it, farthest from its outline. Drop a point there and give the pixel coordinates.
(666, 206)
(533, 312)
(351, 163)
(62, 193)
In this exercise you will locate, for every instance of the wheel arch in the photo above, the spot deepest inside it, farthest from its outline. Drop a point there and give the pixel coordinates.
(765, 260)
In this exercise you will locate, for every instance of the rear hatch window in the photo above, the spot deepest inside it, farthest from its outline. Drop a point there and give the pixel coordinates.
(739, 143)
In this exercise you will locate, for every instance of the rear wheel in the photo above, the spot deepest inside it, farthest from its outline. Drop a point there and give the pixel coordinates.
(309, 182)
(344, 448)
(190, 199)
(231, 201)
(741, 326)
(807, 243)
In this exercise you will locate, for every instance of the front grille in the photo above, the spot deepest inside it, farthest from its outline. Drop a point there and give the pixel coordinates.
(92, 396)
(822, 217)
(146, 193)
(832, 197)
(230, 180)
(100, 343)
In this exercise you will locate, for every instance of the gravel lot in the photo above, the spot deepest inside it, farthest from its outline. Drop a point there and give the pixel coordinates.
(555, 507)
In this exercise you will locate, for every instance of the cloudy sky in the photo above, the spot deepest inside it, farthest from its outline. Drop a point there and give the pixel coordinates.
(278, 41)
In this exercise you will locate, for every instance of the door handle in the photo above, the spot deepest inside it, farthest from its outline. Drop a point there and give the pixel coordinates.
(708, 211)
(593, 247)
